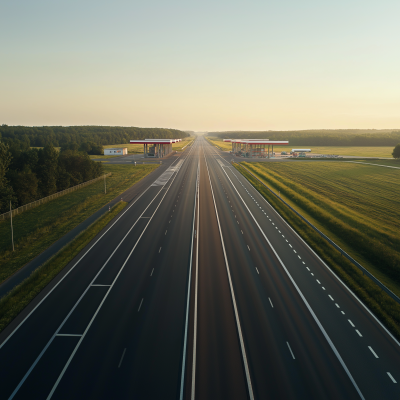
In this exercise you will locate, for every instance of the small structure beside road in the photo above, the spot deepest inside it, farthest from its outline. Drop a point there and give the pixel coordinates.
(118, 151)
(156, 148)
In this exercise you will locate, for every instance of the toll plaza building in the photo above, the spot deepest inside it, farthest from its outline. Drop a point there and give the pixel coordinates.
(156, 148)
(255, 148)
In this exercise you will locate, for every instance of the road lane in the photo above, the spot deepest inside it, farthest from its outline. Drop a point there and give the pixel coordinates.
(143, 317)
(315, 373)
(133, 345)
(218, 365)
(331, 301)
(17, 354)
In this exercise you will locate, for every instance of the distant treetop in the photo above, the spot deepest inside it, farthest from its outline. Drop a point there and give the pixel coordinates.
(59, 136)
(322, 137)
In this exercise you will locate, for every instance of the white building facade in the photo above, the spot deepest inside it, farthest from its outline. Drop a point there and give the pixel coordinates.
(120, 151)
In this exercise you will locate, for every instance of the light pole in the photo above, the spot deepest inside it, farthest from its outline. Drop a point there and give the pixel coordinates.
(12, 232)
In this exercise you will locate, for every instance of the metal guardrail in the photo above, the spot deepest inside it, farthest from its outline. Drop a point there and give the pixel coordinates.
(351, 259)
(36, 203)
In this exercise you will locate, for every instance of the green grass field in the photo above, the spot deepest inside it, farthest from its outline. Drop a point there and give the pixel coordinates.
(19, 297)
(381, 304)
(36, 229)
(356, 205)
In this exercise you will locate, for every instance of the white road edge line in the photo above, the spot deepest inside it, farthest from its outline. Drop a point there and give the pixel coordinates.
(196, 291)
(94, 244)
(101, 304)
(188, 291)
(301, 295)
(246, 367)
(323, 262)
(83, 294)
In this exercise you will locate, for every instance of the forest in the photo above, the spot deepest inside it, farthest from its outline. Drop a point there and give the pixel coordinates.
(31, 167)
(59, 136)
(334, 137)
(28, 174)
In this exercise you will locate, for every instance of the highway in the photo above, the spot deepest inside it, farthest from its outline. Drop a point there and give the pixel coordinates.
(198, 290)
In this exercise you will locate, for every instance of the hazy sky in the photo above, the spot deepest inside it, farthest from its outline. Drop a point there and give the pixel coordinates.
(201, 65)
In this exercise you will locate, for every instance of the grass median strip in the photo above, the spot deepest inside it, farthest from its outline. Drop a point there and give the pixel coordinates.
(384, 307)
(18, 298)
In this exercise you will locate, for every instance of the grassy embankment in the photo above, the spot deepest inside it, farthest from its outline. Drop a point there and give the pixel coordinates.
(357, 207)
(337, 150)
(15, 301)
(35, 230)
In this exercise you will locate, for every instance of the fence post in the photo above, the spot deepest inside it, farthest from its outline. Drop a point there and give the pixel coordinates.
(12, 232)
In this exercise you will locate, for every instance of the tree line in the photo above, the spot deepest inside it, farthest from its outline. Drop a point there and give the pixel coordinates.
(339, 137)
(59, 136)
(28, 174)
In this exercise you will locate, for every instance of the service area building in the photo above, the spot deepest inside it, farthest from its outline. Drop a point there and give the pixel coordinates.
(120, 151)
(260, 148)
(156, 148)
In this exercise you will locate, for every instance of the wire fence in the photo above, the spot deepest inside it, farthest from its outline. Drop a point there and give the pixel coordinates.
(36, 203)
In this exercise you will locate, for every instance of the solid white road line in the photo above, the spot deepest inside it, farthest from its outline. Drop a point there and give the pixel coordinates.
(300, 293)
(94, 244)
(81, 297)
(102, 302)
(291, 352)
(189, 285)
(122, 357)
(326, 266)
(196, 293)
(244, 356)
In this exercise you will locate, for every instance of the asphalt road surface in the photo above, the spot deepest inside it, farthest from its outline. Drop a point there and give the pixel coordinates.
(198, 290)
